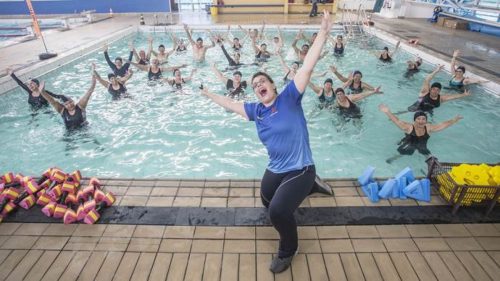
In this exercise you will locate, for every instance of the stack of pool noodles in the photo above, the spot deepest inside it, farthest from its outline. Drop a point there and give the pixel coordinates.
(402, 186)
(478, 177)
(60, 194)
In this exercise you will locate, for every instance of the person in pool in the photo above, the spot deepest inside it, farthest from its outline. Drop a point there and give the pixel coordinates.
(116, 88)
(416, 134)
(236, 44)
(385, 55)
(278, 42)
(413, 67)
(338, 45)
(32, 87)
(142, 57)
(199, 50)
(162, 55)
(181, 46)
(289, 71)
(325, 94)
(353, 81)
(73, 114)
(302, 52)
(458, 79)
(155, 70)
(430, 95)
(119, 69)
(255, 32)
(261, 53)
(281, 126)
(235, 87)
(177, 81)
(234, 61)
(346, 104)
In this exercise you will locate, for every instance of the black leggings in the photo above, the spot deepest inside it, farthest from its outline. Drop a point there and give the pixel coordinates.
(282, 194)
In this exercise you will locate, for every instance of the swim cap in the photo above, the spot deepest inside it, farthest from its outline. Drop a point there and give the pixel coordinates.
(110, 75)
(305, 45)
(34, 80)
(329, 80)
(436, 85)
(462, 68)
(385, 48)
(236, 38)
(161, 46)
(65, 98)
(418, 114)
(199, 39)
(296, 62)
(357, 72)
(118, 58)
(339, 90)
(237, 73)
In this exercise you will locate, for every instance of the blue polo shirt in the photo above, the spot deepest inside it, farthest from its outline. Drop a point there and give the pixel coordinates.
(283, 131)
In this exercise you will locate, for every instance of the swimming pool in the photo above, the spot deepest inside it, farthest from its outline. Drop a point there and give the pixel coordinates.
(160, 133)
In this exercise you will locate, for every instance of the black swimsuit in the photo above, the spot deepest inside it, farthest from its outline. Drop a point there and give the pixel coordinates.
(350, 112)
(324, 99)
(356, 90)
(153, 75)
(426, 103)
(35, 102)
(76, 120)
(176, 85)
(412, 142)
(233, 92)
(262, 56)
(143, 61)
(338, 50)
(388, 59)
(117, 93)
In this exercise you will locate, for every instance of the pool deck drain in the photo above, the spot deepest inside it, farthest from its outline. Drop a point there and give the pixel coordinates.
(136, 241)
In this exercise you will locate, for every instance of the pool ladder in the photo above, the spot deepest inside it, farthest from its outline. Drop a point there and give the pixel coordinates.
(353, 21)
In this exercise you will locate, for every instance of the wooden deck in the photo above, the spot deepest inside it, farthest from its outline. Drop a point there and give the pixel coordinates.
(138, 252)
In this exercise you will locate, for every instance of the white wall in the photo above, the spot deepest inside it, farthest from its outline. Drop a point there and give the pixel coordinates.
(417, 10)
(354, 4)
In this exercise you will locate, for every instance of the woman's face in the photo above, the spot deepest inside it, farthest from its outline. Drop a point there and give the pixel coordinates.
(295, 67)
(155, 62)
(357, 77)
(264, 89)
(328, 87)
(142, 54)
(177, 73)
(340, 96)
(421, 121)
(69, 105)
(459, 73)
(113, 80)
(33, 86)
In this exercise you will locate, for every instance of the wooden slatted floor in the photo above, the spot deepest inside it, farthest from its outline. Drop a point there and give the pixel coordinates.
(140, 252)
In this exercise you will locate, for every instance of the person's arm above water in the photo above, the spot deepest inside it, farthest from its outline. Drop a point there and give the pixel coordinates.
(294, 44)
(124, 79)
(426, 86)
(19, 82)
(316, 89)
(401, 124)
(303, 75)
(445, 98)
(285, 67)
(98, 77)
(189, 35)
(171, 68)
(219, 74)
(226, 102)
(106, 56)
(228, 57)
(443, 125)
(395, 49)
(55, 104)
(453, 61)
(150, 48)
(82, 103)
(339, 76)
(358, 97)
(174, 46)
(254, 45)
(140, 66)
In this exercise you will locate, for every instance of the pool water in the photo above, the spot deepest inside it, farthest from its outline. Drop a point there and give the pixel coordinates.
(159, 133)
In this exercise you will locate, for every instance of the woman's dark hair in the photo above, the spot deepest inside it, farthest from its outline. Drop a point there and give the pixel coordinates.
(339, 90)
(110, 75)
(119, 58)
(173, 72)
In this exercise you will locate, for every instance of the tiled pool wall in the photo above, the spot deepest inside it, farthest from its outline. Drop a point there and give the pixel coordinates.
(38, 69)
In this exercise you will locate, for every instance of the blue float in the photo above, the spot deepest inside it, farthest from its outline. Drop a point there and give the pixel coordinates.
(419, 190)
(367, 176)
(406, 172)
(371, 191)
(387, 188)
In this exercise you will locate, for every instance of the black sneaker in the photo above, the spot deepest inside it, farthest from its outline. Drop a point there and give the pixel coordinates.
(281, 264)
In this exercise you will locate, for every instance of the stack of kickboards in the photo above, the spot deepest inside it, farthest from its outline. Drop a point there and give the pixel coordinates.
(402, 186)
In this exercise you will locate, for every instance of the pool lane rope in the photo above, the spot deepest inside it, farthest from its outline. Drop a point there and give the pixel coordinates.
(61, 195)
